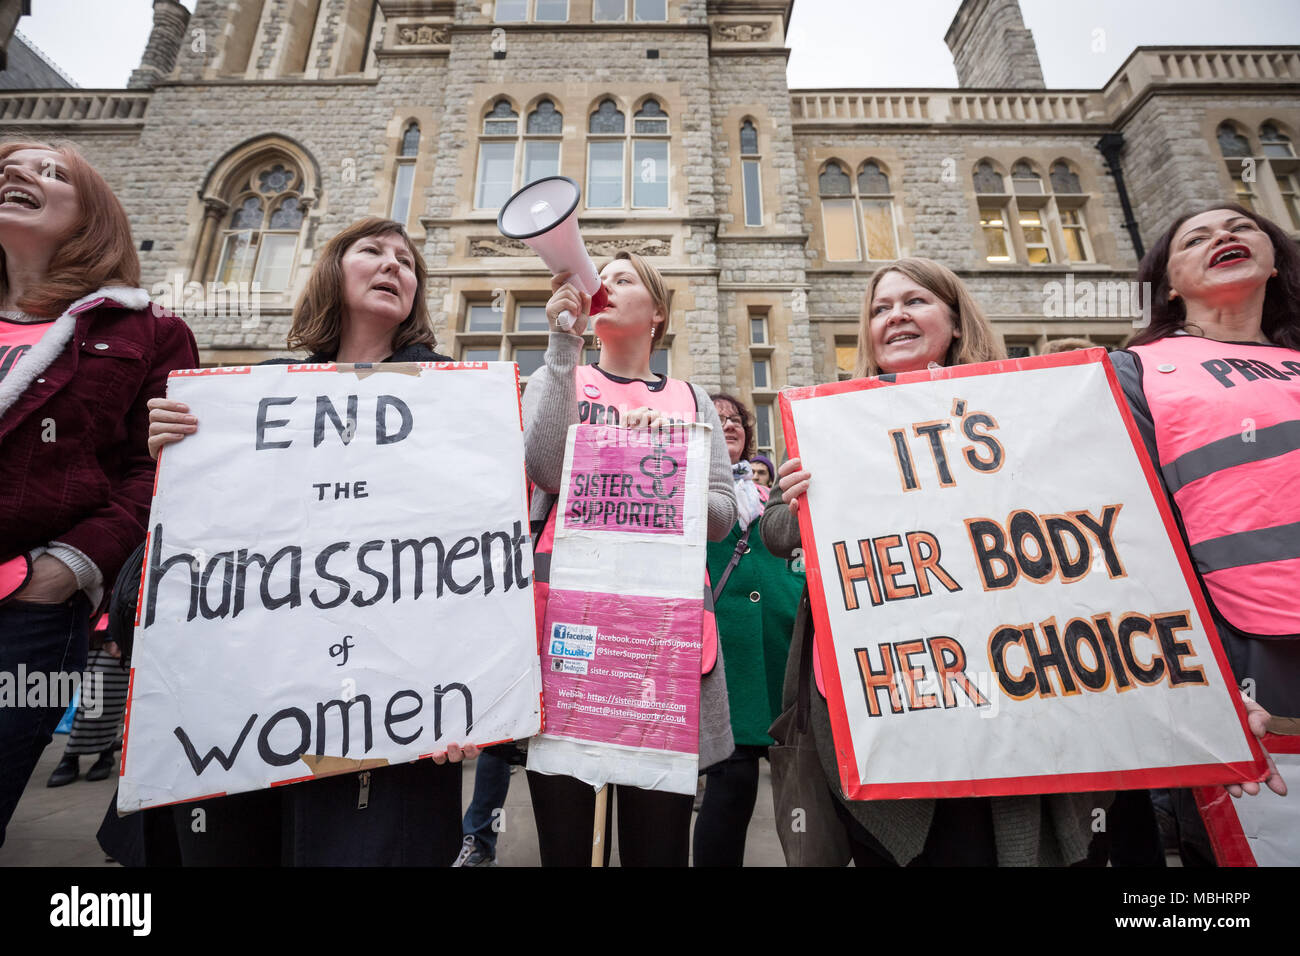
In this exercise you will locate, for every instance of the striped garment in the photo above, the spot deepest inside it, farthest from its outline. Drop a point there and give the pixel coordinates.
(95, 735)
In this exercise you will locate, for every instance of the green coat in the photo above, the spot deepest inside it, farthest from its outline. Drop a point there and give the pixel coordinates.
(756, 614)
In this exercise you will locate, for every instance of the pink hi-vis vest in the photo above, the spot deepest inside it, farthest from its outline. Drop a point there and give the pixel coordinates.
(1227, 423)
(605, 401)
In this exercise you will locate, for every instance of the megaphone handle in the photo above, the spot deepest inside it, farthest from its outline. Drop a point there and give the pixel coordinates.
(565, 320)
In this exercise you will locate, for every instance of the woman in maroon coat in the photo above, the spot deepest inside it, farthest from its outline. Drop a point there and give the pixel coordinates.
(81, 353)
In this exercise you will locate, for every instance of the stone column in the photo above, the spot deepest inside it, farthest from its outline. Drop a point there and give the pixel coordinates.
(169, 22)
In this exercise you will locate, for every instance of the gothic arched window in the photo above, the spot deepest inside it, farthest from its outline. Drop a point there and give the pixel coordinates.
(260, 238)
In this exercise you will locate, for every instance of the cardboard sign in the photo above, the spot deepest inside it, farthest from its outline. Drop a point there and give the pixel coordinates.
(337, 576)
(1001, 599)
(1260, 830)
(622, 647)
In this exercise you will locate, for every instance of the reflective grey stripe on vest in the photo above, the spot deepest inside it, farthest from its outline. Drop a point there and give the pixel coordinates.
(1248, 547)
(1270, 442)
(542, 567)
(708, 598)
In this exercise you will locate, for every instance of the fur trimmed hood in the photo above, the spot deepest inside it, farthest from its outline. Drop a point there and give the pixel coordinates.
(56, 338)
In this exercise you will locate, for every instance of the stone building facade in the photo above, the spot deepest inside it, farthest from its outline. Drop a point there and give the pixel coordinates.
(253, 130)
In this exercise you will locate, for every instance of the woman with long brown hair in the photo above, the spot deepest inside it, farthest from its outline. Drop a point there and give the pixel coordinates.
(364, 302)
(81, 353)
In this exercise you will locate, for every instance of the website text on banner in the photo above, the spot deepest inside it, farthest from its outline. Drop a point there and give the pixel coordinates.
(1263, 830)
(1008, 606)
(622, 634)
(337, 575)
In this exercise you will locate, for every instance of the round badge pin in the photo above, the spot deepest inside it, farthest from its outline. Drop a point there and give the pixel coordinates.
(1166, 367)
(591, 391)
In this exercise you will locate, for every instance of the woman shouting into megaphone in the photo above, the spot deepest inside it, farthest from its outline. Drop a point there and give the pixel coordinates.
(620, 389)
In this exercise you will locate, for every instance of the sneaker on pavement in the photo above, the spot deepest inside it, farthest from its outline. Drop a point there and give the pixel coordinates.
(475, 853)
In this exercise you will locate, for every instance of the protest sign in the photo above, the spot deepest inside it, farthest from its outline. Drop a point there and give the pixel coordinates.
(622, 632)
(1001, 601)
(1259, 830)
(337, 576)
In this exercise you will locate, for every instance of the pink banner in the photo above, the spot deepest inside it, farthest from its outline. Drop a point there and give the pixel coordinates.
(616, 669)
(625, 480)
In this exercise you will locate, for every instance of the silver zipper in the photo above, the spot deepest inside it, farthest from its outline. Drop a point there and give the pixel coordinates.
(363, 796)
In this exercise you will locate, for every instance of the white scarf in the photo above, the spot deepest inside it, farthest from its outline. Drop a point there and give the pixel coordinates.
(749, 505)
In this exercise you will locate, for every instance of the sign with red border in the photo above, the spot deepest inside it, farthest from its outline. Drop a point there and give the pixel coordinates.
(1002, 601)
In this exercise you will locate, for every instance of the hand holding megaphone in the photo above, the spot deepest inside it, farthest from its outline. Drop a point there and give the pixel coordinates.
(542, 216)
(569, 308)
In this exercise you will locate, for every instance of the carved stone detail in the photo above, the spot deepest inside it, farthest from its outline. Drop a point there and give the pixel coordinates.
(422, 34)
(744, 32)
(483, 246)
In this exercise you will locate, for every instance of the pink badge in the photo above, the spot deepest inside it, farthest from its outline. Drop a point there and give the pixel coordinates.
(591, 391)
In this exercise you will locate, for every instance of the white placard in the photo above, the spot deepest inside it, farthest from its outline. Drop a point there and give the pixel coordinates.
(337, 576)
(1006, 610)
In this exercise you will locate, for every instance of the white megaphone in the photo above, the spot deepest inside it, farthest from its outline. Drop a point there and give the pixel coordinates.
(541, 215)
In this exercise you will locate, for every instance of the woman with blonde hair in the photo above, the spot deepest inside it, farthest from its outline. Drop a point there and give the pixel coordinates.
(654, 826)
(916, 314)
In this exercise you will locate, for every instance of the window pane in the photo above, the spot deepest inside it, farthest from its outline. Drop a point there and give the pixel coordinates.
(480, 355)
(531, 318)
(763, 426)
(872, 180)
(659, 361)
(878, 227)
(496, 174)
(841, 231)
(411, 140)
(275, 262)
(237, 257)
(987, 179)
(593, 357)
(758, 331)
(609, 10)
(248, 215)
(541, 160)
(276, 179)
(402, 192)
(753, 194)
(748, 139)
(1031, 225)
(1074, 245)
(530, 360)
(553, 11)
(510, 11)
(1064, 180)
(846, 359)
(546, 119)
(834, 181)
(650, 119)
(483, 318)
(1019, 351)
(651, 9)
(994, 226)
(502, 121)
(606, 119)
(287, 215)
(604, 175)
(761, 374)
(1232, 143)
(650, 174)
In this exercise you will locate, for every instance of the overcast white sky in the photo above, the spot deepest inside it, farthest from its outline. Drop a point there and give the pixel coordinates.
(844, 43)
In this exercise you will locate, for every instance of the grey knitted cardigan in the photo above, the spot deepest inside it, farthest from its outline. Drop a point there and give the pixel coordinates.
(1049, 830)
(550, 407)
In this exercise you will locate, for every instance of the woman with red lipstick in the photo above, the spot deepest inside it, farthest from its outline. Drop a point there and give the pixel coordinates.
(916, 314)
(364, 302)
(654, 826)
(1214, 386)
(81, 352)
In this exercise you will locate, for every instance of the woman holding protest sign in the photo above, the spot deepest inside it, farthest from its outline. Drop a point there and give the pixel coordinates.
(1214, 386)
(81, 352)
(755, 596)
(916, 314)
(364, 302)
(654, 826)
